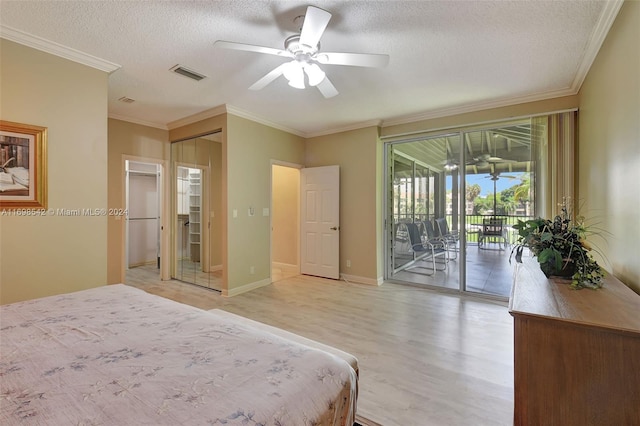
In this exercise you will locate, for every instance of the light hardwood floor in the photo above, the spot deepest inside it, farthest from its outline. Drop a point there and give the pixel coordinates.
(425, 358)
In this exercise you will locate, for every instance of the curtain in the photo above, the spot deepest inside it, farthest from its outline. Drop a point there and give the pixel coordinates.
(553, 140)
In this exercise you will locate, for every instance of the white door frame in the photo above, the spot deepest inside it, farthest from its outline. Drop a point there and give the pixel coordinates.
(164, 214)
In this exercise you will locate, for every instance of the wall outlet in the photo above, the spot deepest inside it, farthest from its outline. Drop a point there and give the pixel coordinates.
(252, 270)
(348, 264)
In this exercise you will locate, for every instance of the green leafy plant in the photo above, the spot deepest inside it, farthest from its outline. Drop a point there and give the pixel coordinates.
(560, 248)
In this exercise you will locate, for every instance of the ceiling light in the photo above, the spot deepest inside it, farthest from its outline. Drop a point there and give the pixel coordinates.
(294, 73)
(450, 166)
(315, 74)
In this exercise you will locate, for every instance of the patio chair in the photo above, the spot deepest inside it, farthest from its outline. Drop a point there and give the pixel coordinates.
(433, 237)
(425, 250)
(493, 229)
(451, 237)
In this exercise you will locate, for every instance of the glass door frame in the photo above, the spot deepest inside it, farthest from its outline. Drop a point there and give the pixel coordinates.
(388, 204)
(460, 202)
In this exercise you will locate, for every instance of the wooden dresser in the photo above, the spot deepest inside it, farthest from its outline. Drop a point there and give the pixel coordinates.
(577, 352)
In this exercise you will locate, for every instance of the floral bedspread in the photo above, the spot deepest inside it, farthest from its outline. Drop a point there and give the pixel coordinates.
(116, 355)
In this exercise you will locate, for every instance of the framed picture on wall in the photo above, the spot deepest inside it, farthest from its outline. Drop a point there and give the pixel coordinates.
(23, 166)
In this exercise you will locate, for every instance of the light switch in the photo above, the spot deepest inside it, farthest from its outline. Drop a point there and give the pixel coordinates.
(235, 213)
(265, 211)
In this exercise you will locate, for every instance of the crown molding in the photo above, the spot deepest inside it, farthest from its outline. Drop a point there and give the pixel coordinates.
(137, 121)
(348, 128)
(480, 106)
(606, 20)
(203, 115)
(250, 116)
(57, 49)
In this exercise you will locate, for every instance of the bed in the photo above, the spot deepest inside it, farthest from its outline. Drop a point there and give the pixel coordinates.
(115, 355)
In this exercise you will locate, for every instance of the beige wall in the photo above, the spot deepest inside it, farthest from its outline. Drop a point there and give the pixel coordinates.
(609, 147)
(41, 256)
(127, 139)
(251, 147)
(285, 214)
(358, 154)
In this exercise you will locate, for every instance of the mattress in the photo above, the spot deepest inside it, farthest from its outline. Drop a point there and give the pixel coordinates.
(116, 355)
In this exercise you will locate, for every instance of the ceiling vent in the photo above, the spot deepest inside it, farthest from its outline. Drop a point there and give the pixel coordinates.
(126, 100)
(179, 69)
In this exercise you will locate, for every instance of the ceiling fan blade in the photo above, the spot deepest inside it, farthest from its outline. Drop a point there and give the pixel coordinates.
(354, 59)
(499, 160)
(275, 73)
(327, 88)
(251, 48)
(315, 22)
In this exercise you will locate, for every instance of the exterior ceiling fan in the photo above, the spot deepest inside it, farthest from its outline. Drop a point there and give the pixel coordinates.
(304, 51)
(482, 160)
(485, 160)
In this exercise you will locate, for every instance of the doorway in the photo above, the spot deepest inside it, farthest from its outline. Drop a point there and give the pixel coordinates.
(143, 229)
(196, 203)
(285, 221)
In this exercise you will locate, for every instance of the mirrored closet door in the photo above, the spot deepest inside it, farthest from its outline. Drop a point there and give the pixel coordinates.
(196, 237)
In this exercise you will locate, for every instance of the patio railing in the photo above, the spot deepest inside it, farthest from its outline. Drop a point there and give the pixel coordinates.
(473, 223)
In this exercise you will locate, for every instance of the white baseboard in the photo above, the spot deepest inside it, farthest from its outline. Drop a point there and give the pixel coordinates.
(245, 288)
(362, 280)
(143, 263)
(286, 268)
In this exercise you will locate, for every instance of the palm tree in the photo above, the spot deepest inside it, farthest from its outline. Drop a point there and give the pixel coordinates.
(521, 192)
(473, 191)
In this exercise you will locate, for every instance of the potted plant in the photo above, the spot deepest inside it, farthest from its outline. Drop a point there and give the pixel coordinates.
(560, 247)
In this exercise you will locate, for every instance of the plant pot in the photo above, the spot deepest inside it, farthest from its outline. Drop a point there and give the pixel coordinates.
(565, 273)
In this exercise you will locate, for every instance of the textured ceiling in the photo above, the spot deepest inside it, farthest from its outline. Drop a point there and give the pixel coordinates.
(445, 55)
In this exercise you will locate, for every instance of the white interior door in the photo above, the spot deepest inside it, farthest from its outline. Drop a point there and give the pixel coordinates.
(320, 221)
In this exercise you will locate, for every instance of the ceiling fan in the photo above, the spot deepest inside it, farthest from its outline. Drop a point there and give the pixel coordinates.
(482, 160)
(495, 175)
(486, 160)
(304, 51)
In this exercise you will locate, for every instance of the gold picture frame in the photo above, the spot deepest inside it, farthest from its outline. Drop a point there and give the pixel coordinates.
(23, 166)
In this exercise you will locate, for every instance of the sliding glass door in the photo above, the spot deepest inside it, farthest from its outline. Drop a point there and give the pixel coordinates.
(419, 195)
(498, 173)
(465, 190)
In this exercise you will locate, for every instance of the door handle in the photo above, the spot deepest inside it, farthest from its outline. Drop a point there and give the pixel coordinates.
(335, 228)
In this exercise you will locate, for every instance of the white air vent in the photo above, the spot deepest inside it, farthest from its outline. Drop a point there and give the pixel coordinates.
(179, 69)
(126, 100)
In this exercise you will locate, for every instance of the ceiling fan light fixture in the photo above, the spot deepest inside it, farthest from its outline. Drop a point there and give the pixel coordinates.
(450, 166)
(294, 73)
(314, 73)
